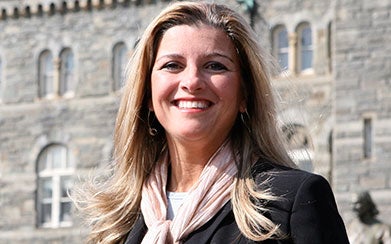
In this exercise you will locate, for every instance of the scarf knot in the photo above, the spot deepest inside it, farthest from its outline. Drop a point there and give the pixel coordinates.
(204, 200)
(159, 232)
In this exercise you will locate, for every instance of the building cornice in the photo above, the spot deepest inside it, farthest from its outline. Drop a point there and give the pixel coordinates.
(27, 9)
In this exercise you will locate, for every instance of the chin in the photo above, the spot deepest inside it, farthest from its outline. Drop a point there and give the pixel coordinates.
(191, 135)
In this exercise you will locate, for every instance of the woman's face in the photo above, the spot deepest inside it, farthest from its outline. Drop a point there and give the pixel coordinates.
(196, 84)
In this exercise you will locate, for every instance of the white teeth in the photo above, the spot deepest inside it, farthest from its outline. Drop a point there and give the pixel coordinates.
(192, 104)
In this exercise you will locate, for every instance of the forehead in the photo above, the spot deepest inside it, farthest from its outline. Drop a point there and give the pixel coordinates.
(195, 39)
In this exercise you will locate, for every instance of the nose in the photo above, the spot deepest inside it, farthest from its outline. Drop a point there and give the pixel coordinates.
(192, 80)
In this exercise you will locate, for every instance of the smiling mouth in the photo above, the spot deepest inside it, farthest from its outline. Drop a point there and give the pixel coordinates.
(192, 104)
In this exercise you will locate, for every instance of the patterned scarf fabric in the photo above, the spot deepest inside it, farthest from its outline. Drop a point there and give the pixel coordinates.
(205, 198)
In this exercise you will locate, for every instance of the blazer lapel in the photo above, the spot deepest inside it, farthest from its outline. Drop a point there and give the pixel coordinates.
(205, 232)
(138, 231)
(201, 235)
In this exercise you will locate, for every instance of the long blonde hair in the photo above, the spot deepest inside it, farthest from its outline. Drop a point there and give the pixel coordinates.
(114, 205)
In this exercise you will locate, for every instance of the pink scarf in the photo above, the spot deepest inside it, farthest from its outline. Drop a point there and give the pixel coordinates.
(205, 198)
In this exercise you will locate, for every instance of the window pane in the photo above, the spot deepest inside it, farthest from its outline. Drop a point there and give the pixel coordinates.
(46, 73)
(66, 184)
(119, 65)
(46, 213)
(282, 39)
(122, 57)
(43, 161)
(66, 72)
(65, 215)
(53, 157)
(49, 87)
(306, 37)
(306, 48)
(281, 47)
(367, 138)
(283, 60)
(53, 186)
(306, 59)
(58, 156)
(46, 188)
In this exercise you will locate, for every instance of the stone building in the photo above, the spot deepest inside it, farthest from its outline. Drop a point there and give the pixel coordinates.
(61, 71)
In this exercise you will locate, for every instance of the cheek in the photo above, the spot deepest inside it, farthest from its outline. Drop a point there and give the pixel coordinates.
(155, 84)
(154, 97)
(231, 89)
(161, 88)
(154, 92)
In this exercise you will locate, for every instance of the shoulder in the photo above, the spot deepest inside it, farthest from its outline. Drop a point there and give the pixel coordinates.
(285, 181)
(294, 188)
(305, 208)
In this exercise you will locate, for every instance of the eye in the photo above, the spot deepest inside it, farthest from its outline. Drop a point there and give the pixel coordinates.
(171, 66)
(216, 66)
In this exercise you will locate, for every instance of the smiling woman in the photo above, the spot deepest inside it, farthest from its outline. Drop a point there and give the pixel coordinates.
(213, 170)
(195, 92)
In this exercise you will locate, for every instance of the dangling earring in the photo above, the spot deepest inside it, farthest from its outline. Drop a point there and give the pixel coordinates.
(242, 117)
(152, 131)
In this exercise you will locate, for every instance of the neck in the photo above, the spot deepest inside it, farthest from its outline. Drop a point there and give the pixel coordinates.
(187, 163)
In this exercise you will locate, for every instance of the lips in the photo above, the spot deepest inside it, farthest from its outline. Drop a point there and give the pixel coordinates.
(192, 104)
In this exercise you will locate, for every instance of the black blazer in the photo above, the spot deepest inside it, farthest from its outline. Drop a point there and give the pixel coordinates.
(307, 212)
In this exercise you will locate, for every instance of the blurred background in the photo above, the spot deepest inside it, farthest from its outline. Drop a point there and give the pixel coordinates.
(62, 68)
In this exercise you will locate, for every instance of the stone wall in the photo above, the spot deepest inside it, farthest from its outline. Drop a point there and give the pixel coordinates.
(83, 122)
(363, 90)
(351, 82)
(305, 99)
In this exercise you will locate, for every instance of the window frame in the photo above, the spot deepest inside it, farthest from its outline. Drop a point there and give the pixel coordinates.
(302, 49)
(119, 62)
(277, 50)
(46, 75)
(54, 175)
(67, 73)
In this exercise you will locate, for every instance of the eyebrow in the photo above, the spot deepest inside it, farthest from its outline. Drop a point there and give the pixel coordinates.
(213, 54)
(168, 56)
(208, 55)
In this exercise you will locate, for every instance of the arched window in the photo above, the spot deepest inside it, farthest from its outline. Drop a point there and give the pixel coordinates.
(54, 180)
(281, 46)
(119, 63)
(305, 47)
(299, 145)
(46, 70)
(66, 72)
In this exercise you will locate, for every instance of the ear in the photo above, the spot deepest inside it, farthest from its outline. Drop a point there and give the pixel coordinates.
(243, 106)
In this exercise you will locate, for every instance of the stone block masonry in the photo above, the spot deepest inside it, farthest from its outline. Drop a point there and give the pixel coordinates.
(363, 45)
(344, 104)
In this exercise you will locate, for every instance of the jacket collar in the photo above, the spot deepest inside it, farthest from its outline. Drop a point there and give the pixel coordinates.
(201, 235)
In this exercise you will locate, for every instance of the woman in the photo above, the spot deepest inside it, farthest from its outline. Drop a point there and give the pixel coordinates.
(197, 153)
